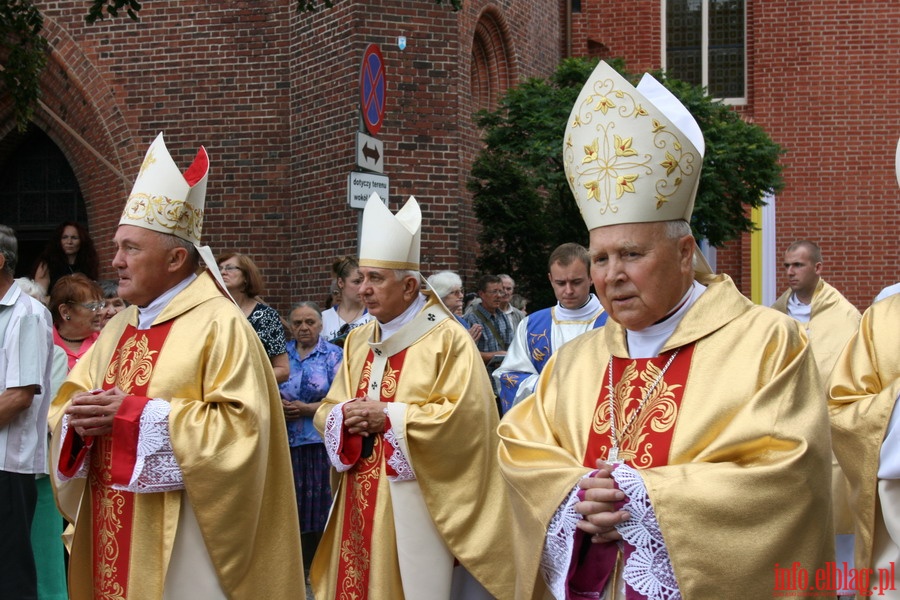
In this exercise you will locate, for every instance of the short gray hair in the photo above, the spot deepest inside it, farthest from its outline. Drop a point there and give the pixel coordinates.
(307, 304)
(400, 274)
(173, 241)
(677, 229)
(444, 282)
(9, 248)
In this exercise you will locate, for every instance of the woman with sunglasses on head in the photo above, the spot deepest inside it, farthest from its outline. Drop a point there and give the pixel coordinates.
(244, 283)
(76, 303)
(350, 313)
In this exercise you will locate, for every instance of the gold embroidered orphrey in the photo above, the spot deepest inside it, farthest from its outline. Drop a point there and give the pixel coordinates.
(661, 411)
(134, 365)
(611, 165)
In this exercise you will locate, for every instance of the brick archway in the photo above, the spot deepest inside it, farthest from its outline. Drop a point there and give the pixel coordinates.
(491, 66)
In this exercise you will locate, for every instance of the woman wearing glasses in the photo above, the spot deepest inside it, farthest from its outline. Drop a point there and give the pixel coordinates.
(244, 283)
(76, 303)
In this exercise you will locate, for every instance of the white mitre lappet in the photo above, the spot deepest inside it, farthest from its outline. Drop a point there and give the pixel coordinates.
(167, 201)
(389, 241)
(632, 155)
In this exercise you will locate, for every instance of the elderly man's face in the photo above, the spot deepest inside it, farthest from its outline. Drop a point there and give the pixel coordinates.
(386, 296)
(141, 262)
(639, 274)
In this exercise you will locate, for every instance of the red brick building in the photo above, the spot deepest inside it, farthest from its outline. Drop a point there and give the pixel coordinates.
(823, 79)
(273, 94)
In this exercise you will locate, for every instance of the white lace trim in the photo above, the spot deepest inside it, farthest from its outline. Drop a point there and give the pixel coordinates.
(83, 468)
(398, 460)
(155, 467)
(334, 430)
(648, 569)
(559, 544)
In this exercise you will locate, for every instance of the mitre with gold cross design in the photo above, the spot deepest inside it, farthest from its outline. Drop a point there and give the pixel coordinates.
(632, 155)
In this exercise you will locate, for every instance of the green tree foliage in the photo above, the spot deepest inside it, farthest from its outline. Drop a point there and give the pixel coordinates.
(522, 198)
(24, 54)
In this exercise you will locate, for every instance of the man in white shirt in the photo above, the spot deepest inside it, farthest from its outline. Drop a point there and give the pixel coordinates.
(26, 355)
(541, 333)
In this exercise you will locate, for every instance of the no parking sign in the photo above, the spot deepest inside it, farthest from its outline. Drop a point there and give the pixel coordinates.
(372, 89)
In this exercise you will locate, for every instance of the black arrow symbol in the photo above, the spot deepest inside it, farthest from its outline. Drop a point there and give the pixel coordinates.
(371, 153)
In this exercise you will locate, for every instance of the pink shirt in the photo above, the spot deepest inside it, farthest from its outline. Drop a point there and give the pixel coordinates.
(74, 355)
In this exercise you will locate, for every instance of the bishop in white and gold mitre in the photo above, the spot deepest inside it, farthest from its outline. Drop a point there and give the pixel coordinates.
(165, 200)
(389, 241)
(632, 155)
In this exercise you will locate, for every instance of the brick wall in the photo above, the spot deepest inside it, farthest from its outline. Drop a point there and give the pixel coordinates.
(272, 94)
(824, 82)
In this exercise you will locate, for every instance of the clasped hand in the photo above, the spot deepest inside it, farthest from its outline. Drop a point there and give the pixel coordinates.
(92, 413)
(364, 417)
(599, 506)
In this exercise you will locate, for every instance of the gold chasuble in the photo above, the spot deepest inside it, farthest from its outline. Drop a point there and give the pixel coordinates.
(832, 322)
(229, 441)
(730, 445)
(862, 392)
(442, 414)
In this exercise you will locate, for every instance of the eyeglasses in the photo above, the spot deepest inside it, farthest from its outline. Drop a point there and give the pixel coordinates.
(495, 292)
(456, 293)
(230, 268)
(91, 306)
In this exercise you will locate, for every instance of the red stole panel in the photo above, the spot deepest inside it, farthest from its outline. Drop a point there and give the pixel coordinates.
(644, 435)
(130, 368)
(646, 441)
(361, 491)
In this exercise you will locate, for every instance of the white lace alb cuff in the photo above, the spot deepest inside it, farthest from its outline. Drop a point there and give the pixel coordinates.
(333, 435)
(155, 467)
(648, 569)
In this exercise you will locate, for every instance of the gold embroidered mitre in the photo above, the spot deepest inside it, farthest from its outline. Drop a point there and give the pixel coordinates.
(389, 241)
(632, 155)
(163, 199)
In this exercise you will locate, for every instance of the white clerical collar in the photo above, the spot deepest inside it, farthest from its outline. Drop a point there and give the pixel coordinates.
(390, 328)
(582, 313)
(148, 314)
(647, 342)
(798, 310)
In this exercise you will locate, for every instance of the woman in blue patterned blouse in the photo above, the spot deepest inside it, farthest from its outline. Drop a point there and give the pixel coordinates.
(314, 364)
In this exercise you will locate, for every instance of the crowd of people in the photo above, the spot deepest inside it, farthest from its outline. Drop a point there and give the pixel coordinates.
(635, 441)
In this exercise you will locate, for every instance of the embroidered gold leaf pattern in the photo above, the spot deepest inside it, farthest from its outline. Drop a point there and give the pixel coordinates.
(669, 164)
(389, 382)
(658, 413)
(623, 146)
(175, 215)
(590, 152)
(133, 366)
(604, 104)
(625, 183)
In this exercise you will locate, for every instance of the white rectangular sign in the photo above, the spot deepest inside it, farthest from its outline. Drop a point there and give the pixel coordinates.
(361, 185)
(369, 153)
